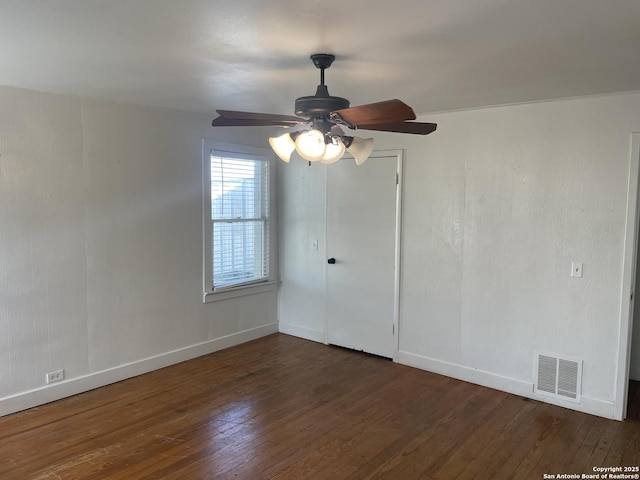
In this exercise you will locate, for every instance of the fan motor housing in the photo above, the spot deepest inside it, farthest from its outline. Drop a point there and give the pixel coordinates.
(320, 104)
(310, 107)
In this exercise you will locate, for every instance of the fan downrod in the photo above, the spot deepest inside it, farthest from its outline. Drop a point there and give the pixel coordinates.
(320, 104)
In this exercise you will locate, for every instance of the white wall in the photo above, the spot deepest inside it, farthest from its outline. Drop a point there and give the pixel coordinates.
(101, 232)
(301, 299)
(101, 246)
(497, 204)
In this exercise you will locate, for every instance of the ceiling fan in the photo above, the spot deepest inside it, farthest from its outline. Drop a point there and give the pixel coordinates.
(317, 133)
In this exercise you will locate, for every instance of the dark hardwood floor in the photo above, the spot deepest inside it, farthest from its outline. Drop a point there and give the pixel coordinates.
(285, 408)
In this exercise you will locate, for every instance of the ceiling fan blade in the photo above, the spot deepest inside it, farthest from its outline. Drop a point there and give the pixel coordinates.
(389, 111)
(272, 117)
(418, 128)
(249, 122)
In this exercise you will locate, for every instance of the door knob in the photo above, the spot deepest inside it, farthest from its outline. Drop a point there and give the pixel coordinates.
(331, 261)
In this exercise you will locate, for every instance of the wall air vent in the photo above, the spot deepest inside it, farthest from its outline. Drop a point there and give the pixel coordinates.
(558, 376)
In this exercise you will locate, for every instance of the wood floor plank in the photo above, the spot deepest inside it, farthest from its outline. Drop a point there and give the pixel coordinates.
(475, 449)
(368, 420)
(430, 449)
(285, 408)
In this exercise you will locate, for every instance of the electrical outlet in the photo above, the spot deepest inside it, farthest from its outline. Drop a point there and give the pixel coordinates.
(56, 376)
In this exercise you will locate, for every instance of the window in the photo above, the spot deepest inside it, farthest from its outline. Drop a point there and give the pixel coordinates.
(237, 224)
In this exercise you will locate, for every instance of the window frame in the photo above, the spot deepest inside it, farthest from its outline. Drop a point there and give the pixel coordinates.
(214, 148)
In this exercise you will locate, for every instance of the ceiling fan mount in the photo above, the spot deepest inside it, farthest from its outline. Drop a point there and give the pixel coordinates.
(322, 60)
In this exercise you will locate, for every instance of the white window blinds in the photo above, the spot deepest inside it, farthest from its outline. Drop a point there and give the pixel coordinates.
(239, 220)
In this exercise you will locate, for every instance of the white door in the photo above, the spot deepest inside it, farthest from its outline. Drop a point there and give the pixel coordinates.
(362, 231)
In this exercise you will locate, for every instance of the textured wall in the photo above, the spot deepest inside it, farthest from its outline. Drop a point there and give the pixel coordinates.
(497, 204)
(301, 299)
(101, 240)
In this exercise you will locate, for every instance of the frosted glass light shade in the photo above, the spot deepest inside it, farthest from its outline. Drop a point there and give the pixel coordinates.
(310, 145)
(283, 146)
(334, 152)
(360, 148)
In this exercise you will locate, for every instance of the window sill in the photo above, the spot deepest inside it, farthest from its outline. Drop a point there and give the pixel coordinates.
(210, 297)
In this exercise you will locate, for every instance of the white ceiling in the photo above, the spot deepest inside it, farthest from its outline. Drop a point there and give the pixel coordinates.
(435, 55)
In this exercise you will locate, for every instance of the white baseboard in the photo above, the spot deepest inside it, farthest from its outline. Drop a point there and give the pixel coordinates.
(73, 386)
(515, 386)
(302, 332)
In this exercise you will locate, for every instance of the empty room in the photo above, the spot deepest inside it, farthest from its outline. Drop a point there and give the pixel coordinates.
(296, 239)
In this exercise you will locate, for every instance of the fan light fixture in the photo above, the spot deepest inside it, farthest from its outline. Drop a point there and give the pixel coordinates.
(315, 146)
(283, 146)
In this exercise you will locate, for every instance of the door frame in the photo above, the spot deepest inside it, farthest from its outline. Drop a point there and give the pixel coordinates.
(628, 281)
(398, 154)
(398, 256)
